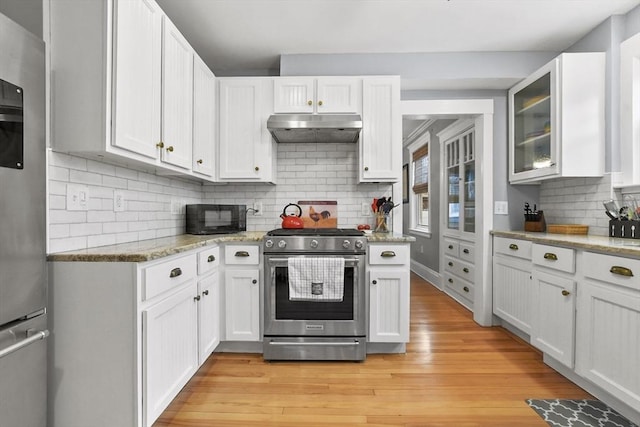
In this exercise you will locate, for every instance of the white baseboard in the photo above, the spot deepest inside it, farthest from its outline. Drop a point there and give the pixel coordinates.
(427, 274)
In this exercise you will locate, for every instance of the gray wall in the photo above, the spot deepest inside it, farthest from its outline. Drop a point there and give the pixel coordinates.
(27, 13)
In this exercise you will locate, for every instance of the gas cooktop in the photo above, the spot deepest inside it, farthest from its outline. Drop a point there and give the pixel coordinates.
(338, 232)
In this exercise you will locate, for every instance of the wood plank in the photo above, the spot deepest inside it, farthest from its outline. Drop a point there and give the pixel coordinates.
(455, 373)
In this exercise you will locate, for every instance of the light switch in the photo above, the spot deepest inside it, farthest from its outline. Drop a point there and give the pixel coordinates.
(77, 197)
(118, 201)
(501, 208)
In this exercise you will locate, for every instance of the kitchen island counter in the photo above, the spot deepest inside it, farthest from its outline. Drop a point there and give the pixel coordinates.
(603, 244)
(149, 250)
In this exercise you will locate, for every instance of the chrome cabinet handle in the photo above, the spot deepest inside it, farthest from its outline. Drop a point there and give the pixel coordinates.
(565, 293)
(242, 254)
(513, 247)
(387, 254)
(622, 271)
(211, 258)
(40, 335)
(551, 256)
(175, 272)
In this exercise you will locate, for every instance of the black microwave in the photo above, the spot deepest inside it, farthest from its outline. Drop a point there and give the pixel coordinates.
(216, 219)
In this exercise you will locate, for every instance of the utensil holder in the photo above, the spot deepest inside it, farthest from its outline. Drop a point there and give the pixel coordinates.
(535, 222)
(625, 229)
(382, 220)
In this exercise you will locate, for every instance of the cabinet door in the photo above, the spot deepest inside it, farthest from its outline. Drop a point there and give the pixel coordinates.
(389, 305)
(242, 304)
(293, 95)
(512, 291)
(170, 349)
(553, 320)
(338, 95)
(137, 76)
(243, 156)
(208, 316)
(608, 339)
(204, 118)
(177, 97)
(381, 136)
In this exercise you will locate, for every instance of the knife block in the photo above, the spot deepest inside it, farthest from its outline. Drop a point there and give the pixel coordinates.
(535, 222)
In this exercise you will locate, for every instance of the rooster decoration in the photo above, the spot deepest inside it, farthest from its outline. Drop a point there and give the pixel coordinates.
(315, 216)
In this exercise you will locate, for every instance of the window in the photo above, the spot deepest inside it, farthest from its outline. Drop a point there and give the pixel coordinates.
(419, 203)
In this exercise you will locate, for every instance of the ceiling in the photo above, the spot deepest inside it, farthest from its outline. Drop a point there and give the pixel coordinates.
(247, 37)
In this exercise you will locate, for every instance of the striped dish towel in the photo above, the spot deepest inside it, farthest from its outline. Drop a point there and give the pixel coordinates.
(316, 279)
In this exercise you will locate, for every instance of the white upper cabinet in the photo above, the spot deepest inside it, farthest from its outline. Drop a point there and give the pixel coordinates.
(123, 85)
(204, 119)
(317, 95)
(247, 151)
(137, 81)
(177, 97)
(381, 136)
(556, 120)
(630, 110)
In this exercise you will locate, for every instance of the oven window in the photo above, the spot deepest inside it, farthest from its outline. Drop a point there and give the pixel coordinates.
(313, 310)
(11, 126)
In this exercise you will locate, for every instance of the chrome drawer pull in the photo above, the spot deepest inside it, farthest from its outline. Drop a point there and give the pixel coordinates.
(565, 293)
(211, 258)
(550, 256)
(242, 254)
(622, 271)
(387, 254)
(466, 289)
(40, 335)
(175, 272)
(513, 247)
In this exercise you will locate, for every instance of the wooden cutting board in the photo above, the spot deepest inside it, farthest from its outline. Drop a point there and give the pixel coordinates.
(567, 229)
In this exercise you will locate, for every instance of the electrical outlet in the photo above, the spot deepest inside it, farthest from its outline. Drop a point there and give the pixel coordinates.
(118, 201)
(501, 208)
(257, 208)
(365, 209)
(77, 197)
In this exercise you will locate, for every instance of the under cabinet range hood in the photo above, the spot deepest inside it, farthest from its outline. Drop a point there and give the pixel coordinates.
(315, 127)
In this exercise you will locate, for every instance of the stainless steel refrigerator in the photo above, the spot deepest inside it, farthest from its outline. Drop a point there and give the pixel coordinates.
(23, 274)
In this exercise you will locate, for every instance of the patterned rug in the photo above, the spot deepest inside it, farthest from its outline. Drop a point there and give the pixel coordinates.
(578, 413)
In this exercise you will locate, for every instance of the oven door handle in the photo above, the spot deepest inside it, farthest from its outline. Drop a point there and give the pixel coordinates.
(321, 344)
(348, 262)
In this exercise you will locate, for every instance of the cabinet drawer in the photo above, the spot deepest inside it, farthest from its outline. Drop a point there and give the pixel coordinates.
(241, 255)
(451, 247)
(460, 286)
(459, 268)
(167, 275)
(467, 251)
(512, 247)
(388, 254)
(208, 260)
(562, 259)
(612, 269)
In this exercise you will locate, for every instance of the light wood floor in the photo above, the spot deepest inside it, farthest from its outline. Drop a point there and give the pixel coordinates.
(455, 373)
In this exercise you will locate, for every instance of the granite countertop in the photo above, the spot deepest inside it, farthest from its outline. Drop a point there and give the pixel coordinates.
(148, 250)
(604, 244)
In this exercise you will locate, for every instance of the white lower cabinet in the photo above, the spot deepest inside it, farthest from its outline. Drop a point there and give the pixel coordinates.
(389, 283)
(242, 293)
(512, 282)
(170, 349)
(209, 308)
(608, 328)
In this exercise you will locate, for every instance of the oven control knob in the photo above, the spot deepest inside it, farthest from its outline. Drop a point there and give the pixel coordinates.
(314, 244)
(269, 243)
(346, 244)
(282, 244)
(359, 244)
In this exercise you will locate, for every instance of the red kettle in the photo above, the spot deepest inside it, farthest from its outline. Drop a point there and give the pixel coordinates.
(292, 220)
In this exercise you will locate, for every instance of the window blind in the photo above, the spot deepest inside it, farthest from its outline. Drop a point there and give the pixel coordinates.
(421, 170)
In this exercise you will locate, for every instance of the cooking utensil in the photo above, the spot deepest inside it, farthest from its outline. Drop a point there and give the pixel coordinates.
(292, 220)
(632, 207)
(612, 210)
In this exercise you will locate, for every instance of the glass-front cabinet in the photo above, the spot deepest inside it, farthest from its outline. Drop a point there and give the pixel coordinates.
(460, 171)
(556, 120)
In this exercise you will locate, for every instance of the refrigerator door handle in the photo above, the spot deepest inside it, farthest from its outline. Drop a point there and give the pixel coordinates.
(40, 335)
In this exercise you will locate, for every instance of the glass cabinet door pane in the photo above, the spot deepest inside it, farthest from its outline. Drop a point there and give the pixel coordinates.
(469, 197)
(453, 197)
(532, 126)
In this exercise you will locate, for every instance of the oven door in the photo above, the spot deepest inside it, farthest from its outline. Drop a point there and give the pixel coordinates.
(284, 317)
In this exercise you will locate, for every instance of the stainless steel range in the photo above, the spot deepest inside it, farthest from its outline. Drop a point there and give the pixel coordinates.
(315, 294)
